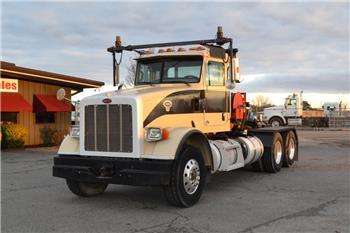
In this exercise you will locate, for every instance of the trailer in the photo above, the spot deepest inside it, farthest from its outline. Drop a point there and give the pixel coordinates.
(181, 122)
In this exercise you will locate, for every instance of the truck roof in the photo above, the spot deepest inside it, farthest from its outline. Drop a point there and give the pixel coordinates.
(164, 53)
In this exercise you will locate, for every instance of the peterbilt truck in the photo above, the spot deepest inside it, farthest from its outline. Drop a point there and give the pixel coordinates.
(180, 123)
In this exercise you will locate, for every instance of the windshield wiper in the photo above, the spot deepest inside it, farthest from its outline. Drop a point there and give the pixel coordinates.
(178, 81)
(145, 83)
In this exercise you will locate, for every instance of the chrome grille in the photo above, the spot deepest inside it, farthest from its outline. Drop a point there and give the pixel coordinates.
(108, 128)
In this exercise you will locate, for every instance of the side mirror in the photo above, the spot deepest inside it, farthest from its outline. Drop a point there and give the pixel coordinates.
(230, 85)
(61, 93)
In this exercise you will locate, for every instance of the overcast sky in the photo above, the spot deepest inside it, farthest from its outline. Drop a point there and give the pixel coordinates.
(283, 47)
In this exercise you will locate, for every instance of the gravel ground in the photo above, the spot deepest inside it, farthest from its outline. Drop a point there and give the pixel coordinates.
(313, 196)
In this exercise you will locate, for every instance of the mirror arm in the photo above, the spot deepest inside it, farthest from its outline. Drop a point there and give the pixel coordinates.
(114, 68)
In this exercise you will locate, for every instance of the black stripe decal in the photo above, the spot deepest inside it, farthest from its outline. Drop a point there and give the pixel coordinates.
(190, 101)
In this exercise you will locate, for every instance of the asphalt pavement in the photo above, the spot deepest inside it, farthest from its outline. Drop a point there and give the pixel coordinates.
(312, 196)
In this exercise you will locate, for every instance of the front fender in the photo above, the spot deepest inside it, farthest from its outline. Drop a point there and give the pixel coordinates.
(69, 146)
(279, 116)
(166, 149)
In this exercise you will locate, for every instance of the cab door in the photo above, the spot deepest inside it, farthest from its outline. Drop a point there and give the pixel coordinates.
(292, 107)
(216, 112)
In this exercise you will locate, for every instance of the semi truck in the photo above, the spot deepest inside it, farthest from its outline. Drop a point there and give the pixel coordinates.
(293, 114)
(181, 122)
(288, 114)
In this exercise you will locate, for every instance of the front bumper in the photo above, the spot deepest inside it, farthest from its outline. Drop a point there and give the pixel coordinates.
(113, 170)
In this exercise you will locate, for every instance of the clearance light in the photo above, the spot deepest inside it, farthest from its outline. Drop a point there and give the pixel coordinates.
(170, 50)
(149, 51)
(181, 50)
(199, 48)
(161, 51)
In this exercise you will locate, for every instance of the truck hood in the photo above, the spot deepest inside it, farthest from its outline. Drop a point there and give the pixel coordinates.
(150, 96)
(274, 108)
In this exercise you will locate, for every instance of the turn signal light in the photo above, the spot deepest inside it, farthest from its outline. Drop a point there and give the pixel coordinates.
(165, 133)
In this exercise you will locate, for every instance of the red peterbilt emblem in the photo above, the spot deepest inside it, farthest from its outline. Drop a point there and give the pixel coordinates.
(107, 101)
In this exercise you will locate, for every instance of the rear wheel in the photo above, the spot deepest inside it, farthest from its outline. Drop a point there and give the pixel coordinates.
(187, 179)
(272, 159)
(290, 149)
(276, 122)
(85, 189)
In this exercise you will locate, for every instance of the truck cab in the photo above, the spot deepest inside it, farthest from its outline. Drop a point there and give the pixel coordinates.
(179, 123)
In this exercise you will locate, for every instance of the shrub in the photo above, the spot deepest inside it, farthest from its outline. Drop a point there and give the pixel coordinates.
(46, 134)
(57, 137)
(50, 136)
(13, 135)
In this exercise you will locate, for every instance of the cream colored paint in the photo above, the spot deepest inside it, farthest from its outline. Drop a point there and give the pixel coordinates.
(69, 145)
(165, 149)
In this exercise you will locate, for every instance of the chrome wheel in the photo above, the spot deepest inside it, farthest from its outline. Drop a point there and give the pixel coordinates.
(291, 146)
(191, 176)
(275, 123)
(278, 152)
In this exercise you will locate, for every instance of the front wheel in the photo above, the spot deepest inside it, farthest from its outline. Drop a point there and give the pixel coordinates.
(85, 189)
(276, 122)
(187, 179)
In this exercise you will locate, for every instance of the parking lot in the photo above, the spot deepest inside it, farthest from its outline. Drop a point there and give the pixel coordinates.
(313, 196)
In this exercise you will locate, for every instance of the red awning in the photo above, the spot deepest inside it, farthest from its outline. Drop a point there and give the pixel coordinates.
(14, 102)
(49, 103)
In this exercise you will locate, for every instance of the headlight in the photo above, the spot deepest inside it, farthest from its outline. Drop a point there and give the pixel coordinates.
(75, 131)
(156, 134)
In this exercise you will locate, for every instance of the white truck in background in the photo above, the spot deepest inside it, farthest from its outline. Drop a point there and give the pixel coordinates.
(289, 114)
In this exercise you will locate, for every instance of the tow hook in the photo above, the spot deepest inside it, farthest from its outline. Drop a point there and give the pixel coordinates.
(106, 171)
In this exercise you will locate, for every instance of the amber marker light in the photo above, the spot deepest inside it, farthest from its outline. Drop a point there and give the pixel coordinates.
(165, 133)
(170, 50)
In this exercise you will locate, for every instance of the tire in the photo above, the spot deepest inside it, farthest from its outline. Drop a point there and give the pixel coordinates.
(181, 191)
(273, 157)
(290, 149)
(276, 122)
(83, 189)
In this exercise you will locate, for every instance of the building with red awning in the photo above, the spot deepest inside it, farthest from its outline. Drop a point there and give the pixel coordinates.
(28, 98)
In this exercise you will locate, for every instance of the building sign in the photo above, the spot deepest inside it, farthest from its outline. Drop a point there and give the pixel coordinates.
(8, 85)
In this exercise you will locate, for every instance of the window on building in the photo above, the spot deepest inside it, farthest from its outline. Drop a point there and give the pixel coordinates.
(44, 117)
(215, 74)
(9, 117)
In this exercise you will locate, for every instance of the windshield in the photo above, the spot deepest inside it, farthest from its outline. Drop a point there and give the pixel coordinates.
(170, 70)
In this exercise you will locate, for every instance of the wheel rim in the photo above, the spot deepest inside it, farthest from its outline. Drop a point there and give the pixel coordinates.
(191, 176)
(275, 123)
(291, 146)
(278, 152)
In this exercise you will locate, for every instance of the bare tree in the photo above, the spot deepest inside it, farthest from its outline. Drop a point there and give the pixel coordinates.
(131, 72)
(260, 102)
